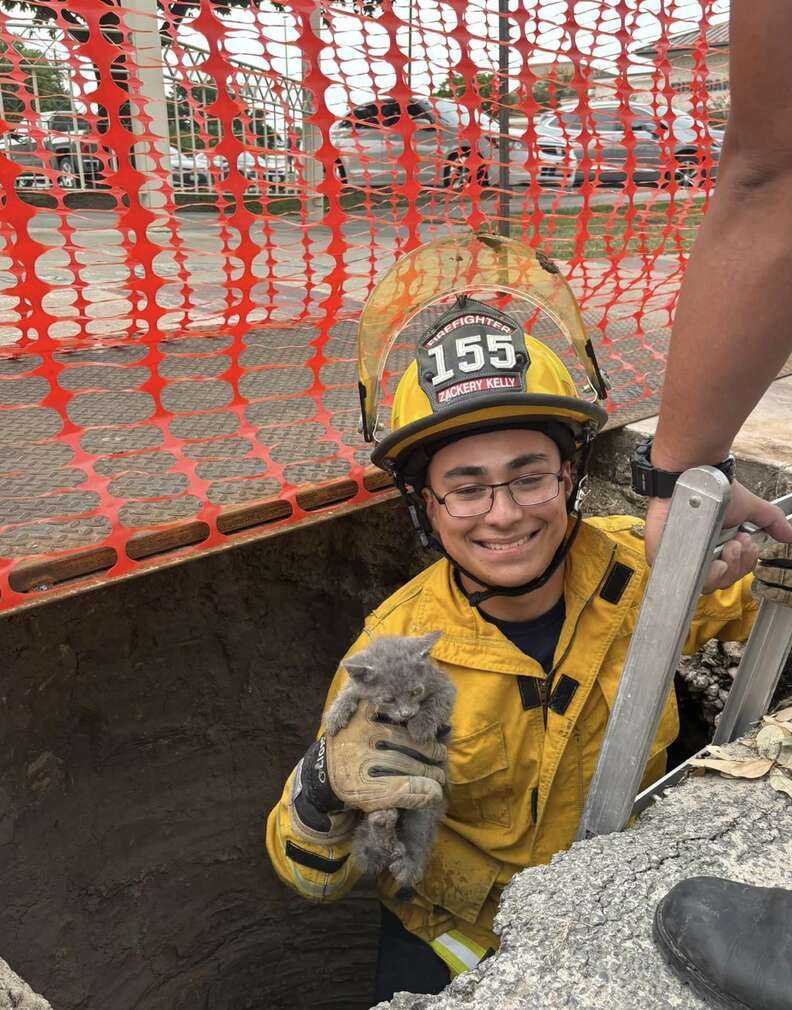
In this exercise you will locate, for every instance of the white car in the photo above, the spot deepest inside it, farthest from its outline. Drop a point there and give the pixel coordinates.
(259, 166)
(661, 145)
(370, 145)
(268, 166)
(187, 170)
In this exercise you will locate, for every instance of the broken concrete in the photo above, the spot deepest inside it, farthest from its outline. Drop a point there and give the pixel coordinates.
(577, 934)
(16, 994)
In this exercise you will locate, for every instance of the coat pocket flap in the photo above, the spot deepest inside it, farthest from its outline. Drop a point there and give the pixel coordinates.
(477, 755)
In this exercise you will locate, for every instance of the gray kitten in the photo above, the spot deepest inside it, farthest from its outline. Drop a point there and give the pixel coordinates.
(398, 677)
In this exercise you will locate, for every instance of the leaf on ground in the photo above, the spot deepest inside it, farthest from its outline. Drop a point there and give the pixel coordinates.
(713, 750)
(770, 740)
(773, 720)
(783, 715)
(752, 768)
(780, 782)
(784, 758)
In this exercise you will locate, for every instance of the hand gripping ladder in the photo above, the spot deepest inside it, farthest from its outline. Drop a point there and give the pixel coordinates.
(691, 538)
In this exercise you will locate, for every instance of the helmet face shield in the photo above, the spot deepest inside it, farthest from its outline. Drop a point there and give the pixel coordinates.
(459, 266)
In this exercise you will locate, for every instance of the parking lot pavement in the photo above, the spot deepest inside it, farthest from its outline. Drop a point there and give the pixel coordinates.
(94, 283)
(292, 414)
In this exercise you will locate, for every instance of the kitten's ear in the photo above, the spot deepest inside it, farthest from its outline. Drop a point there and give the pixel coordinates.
(358, 669)
(428, 642)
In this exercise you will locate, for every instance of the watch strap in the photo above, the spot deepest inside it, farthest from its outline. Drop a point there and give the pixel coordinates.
(652, 482)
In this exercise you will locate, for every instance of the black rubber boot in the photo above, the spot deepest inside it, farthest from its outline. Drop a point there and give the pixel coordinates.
(731, 943)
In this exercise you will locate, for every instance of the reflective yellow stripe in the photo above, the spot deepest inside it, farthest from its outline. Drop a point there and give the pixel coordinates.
(301, 882)
(458, 951)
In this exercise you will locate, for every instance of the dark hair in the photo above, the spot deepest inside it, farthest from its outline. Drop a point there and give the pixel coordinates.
(413, 470)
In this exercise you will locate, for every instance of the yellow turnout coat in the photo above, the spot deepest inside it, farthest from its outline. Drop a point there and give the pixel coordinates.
(523, 746)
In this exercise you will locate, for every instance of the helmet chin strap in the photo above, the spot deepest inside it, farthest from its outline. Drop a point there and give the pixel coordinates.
(428, 538)
(475, 599)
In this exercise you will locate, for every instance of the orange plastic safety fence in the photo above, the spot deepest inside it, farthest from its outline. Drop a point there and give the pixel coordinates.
(197, 198)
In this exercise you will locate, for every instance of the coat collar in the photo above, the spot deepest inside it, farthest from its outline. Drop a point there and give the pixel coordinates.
(469, 640)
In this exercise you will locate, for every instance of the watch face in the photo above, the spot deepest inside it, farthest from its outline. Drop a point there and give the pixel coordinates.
(472, 350)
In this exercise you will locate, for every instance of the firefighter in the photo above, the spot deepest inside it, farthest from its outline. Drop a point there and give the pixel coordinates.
(489, 444)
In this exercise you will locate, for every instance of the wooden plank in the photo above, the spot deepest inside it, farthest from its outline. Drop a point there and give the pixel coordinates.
(144, 545)
(242, 517)
(38, 576)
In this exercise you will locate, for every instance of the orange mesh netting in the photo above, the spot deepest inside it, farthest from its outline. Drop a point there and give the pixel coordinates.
(197, 199)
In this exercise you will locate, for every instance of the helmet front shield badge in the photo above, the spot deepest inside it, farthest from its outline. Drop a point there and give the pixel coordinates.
(460, 265)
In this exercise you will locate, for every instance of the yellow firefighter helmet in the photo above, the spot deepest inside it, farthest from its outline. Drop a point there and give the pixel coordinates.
(475, 369)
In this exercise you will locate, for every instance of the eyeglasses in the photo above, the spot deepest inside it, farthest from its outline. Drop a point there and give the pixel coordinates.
(478, 499)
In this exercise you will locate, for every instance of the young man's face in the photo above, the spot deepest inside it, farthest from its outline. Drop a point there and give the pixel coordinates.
(511, 544)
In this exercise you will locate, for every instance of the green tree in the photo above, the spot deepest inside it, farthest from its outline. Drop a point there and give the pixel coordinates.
(485, 85)
(190, 125)
(550, 91)
(28, 76)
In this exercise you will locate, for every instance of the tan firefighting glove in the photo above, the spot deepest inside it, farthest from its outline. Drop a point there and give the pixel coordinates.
(372, 765)
(774, 575)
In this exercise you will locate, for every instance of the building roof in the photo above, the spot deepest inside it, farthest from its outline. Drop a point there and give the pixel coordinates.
(717, 36)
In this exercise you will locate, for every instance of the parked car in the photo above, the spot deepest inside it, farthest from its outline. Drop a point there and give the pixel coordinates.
(369, 147)
(58, 149)
(201, 170)
(188, 171)
(665, 144)
(556, 161)
(270, 166)
(258, 167)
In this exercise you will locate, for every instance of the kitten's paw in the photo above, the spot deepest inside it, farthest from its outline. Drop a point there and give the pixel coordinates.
(370, 860)
(422, 728)
(334, 722)
(331, 726)
(384, 818)
(398, 852)
(404, 871)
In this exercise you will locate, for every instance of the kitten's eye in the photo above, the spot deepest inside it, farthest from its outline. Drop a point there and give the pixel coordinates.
(416, 691)
(387, 701)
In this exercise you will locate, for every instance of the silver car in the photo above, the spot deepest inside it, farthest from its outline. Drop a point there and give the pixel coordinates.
(664, 145)
(64, 151)
(202, 170)
(369, 148)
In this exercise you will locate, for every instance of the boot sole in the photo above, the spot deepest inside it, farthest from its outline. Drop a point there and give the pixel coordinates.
(687, 971)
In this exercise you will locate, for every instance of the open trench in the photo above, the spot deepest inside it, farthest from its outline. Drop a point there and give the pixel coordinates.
(146, 728)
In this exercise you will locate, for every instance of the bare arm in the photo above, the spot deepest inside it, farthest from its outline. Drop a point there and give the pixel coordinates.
(733, 326)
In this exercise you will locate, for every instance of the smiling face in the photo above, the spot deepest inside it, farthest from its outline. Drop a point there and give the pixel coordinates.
(511, 544)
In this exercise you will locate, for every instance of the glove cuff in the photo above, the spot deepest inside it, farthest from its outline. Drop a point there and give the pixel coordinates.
(311, 823)
(315, 781)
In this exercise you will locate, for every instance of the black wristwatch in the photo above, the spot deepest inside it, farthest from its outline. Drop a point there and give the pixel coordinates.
(652, 482)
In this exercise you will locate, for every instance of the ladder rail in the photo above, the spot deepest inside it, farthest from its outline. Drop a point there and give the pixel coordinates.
(757, 677)
(691, 532)
(759, 671)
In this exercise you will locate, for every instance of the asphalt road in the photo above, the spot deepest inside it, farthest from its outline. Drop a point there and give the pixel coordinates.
(95, 281)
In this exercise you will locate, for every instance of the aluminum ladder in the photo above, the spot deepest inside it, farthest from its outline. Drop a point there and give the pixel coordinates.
(692, 536)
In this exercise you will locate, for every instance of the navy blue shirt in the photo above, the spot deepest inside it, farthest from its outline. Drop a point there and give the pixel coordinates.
(536, 638)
